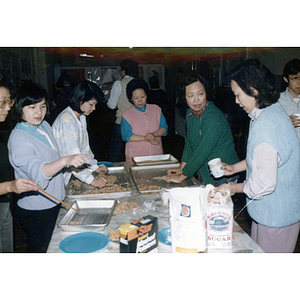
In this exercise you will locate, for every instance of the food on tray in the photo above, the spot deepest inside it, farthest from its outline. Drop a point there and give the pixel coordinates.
(144, 187)
(164, 177)
(74, 223)
(125, 206)
(114, 235)
(76, 186)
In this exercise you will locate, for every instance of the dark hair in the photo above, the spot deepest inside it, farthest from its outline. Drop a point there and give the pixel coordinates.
(7, 82)
(192, 79)
(154, 82)
(135, 84)
(292, 67)
(83, 92)
(130, 67)
(28, 94)
(253, 75)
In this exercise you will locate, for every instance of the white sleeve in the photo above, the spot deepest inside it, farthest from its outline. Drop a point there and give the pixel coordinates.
(263, 179)
(114, 95)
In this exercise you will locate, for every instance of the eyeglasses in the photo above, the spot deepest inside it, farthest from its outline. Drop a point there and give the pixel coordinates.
(6, 101)
(294, 78)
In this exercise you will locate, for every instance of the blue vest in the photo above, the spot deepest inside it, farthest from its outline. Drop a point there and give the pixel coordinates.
(282, 207)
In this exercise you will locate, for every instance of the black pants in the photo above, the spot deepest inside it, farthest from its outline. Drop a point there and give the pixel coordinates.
(38, 226)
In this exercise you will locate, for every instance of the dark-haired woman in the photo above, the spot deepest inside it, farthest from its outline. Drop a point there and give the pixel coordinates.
(142, 125)
(71, 135)
(34, 155)
(208, 136)
(272, 163)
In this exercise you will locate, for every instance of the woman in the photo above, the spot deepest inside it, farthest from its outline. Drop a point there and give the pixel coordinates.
(70, 132)
(34, 155)
(142, 125)
(272, 184)
(208, 136)
(7, 186)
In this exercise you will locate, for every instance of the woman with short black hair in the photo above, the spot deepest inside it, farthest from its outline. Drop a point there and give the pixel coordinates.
(71, 135)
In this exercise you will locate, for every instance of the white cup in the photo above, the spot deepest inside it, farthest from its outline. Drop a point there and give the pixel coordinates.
(215, 167)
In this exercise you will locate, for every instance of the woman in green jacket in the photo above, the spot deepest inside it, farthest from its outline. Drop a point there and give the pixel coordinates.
(208, 136)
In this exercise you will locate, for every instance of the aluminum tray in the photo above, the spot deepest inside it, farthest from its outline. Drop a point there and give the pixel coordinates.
(76, 188)
(154, 160)
(93, 215)
(150, 179)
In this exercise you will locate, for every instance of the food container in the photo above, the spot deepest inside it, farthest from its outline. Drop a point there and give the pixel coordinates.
(152, 178)
(154, 160)
(92, 215)
(120, 186)
(140, 236)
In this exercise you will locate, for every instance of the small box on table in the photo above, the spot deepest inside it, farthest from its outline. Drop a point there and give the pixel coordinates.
(140, 236)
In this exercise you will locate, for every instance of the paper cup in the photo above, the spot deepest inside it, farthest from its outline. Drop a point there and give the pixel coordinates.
(215, 167)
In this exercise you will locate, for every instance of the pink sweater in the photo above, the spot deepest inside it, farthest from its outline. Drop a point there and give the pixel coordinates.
(143, 123)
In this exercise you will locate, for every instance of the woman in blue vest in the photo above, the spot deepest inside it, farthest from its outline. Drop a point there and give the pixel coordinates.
(272, 163)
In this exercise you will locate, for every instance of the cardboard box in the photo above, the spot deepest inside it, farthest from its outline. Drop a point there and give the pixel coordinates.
(140, 236)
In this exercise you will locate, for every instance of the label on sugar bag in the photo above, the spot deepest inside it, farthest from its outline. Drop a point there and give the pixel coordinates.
(219, 220)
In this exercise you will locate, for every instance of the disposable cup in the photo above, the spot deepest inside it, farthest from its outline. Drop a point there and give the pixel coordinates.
(215, 167)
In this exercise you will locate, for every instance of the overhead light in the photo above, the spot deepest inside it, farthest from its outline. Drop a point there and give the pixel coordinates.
(86, 55)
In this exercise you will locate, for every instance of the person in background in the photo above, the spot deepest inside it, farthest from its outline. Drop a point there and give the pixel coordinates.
(290, 98)
(7, 186)
(71, 135)
(142, 125)
(272, 163)
(156, 95)
(119, 100)
(34, 155)
(208, 136)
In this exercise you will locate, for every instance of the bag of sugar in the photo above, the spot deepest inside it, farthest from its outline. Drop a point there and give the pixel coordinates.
(219, 219)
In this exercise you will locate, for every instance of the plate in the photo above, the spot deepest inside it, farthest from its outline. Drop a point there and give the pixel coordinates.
(106, 163)
(164, 236)
(84, 242)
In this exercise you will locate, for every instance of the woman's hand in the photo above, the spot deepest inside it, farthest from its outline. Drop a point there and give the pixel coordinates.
(75, 160)
(151, 138)
(102, 168)
(229, 169)
(99, 182)
(177, 178)
(174, 171)
(295, 120)
(22, 185)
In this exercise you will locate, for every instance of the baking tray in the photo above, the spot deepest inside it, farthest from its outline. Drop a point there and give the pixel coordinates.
(122, 186)
(154, 160)
(92, 215)
(150, 179)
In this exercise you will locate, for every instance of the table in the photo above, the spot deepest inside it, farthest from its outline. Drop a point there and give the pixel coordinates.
(151, 204)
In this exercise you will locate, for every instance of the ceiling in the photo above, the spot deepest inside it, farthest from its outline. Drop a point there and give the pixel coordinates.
(147, 55)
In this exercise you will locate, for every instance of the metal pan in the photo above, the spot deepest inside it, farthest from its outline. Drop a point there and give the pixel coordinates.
(92, 215)
(154, 160)
(151, 179)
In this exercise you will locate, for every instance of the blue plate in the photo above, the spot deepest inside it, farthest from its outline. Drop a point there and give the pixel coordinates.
(106, 163)
(84, 242)
(164, 236)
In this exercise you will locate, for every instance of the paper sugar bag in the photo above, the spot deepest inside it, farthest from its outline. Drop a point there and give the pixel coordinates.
(219, 219)
(187, 218)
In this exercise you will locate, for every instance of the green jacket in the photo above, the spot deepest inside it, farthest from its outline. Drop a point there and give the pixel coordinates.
(207, 138)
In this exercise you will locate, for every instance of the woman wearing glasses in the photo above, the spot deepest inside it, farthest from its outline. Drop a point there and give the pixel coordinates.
(7, 186)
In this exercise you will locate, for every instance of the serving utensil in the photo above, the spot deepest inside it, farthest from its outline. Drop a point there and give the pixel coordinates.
(43, 191)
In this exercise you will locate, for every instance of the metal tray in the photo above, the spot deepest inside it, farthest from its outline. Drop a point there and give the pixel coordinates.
(122, 186)
(150, 179)
(154, 160)
(92, 215)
